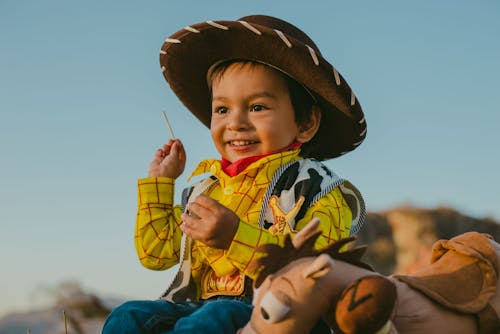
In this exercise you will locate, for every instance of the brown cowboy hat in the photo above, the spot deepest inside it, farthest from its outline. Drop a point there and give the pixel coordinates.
(187, 56)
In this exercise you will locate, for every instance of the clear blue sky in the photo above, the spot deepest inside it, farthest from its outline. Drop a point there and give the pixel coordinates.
(81, 95)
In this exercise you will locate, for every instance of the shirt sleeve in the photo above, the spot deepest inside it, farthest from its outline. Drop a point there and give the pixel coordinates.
(335, 221)
(157, 232)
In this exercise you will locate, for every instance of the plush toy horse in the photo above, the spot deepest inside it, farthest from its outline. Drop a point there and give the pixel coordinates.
(457, 293)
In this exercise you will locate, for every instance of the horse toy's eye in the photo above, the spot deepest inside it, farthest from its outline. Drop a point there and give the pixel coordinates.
(272, 309)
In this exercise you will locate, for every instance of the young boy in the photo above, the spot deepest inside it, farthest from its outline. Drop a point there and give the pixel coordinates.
(274, 107)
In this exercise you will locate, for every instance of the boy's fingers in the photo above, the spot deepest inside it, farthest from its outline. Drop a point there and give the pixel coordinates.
(174, 149)
(189, 227)
(186, 229)
(167, 148)
(199, 210)
(206, 202)
(182, 152)
(158, 153)
(188, 220)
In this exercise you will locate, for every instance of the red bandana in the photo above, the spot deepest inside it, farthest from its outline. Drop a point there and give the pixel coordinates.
(234, 168)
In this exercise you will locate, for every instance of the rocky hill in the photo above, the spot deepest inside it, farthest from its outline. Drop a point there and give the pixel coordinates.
(399, 240)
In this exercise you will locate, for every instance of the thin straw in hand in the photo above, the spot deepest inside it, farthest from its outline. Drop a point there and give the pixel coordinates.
(168, 124)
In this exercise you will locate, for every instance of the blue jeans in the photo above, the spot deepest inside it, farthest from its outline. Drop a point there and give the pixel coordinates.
(163, 317)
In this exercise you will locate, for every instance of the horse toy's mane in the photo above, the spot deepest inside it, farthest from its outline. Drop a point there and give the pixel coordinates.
(278, 257)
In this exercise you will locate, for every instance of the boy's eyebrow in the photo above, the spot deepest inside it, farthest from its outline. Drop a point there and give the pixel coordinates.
(252, 96)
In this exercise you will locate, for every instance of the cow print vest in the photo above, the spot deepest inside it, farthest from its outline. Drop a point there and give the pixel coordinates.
(312, 180)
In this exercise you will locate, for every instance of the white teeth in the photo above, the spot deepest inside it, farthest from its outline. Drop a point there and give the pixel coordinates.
(241, 142)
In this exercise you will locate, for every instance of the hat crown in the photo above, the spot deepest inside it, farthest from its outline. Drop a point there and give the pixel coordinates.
(283, 26)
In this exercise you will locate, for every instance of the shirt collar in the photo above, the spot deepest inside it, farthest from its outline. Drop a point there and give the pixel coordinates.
(272, 161)
(234, 168)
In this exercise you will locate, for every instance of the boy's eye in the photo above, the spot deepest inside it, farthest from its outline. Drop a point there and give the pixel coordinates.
(257, 107)
(220, 110)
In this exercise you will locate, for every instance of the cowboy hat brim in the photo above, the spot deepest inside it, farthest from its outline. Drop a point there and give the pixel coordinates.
(187, 56)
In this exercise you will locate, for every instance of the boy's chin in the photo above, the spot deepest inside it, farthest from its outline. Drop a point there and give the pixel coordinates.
(237, 156)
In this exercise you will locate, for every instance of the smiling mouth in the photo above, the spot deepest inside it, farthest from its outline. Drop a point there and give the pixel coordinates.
(242, 142)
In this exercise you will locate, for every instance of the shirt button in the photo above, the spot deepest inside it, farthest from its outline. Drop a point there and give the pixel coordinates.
(228, 190)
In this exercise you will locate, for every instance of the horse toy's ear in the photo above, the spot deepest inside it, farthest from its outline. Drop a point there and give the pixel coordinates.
(306, 233)
(319, 267)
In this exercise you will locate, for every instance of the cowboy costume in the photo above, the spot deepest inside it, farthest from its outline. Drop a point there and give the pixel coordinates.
(275, 194)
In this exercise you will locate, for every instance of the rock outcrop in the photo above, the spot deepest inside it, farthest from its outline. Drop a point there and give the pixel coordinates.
(400, 240)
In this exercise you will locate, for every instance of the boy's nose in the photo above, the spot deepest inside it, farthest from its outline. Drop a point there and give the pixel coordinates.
(238, 120)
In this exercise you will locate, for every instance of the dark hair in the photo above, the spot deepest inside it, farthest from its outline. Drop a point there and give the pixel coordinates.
(302, 101)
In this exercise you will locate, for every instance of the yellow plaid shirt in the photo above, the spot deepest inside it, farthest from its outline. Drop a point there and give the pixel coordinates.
(216, 271)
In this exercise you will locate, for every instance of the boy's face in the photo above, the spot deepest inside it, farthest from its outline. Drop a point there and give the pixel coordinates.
(252, 113)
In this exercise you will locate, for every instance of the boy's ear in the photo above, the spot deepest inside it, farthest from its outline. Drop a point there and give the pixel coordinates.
(309, 129)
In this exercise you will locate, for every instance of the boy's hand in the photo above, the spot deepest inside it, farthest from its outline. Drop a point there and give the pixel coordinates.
(169, 161)
(210, 222)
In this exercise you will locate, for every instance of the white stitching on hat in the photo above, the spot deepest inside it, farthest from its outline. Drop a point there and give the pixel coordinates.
(337, 77)
(216, 25)
(313, 55)
(362, 121)
(283, 38)
(172, 40)
(250, 27)
(342, 153)
(362, 133)
(163, 68)
(163, 52)
(357, 143)
(188, 28)
(353, 98)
